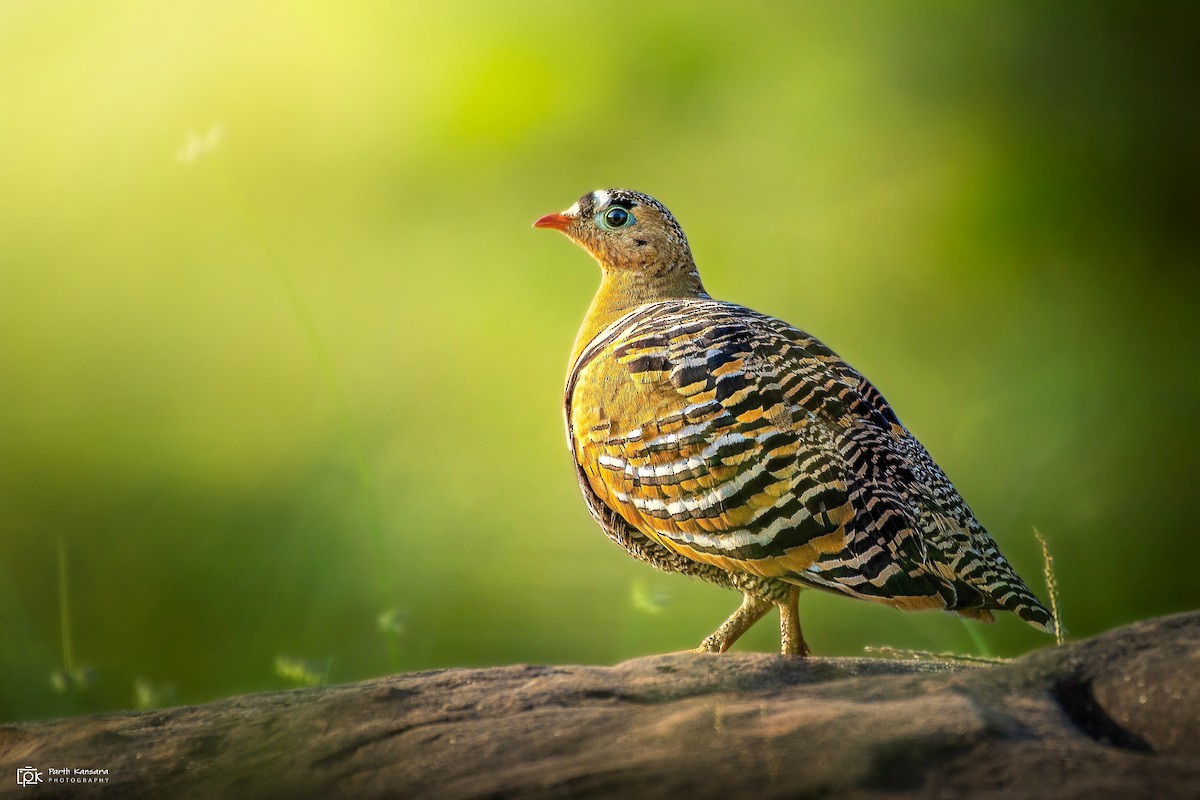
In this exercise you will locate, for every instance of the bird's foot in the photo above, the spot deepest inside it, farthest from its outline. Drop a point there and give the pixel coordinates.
(749, 612)
(713, 643)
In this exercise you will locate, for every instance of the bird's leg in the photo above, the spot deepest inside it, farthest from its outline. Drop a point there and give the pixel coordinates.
(791, 640)
(749, 612)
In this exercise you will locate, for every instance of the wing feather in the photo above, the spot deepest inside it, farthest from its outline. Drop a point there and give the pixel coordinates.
(691, 438)
(734, 439)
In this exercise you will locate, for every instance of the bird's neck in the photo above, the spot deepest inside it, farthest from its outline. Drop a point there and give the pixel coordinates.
(621, 291)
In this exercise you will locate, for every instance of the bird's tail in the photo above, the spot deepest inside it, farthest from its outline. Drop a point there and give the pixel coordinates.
(1017, 598)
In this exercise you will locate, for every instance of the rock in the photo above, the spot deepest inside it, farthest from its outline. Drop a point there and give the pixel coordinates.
(1115, 716)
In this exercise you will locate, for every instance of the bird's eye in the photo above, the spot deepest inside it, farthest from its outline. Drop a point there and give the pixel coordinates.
(616, 217)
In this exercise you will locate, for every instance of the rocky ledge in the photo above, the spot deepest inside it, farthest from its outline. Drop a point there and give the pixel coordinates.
(1117, 716)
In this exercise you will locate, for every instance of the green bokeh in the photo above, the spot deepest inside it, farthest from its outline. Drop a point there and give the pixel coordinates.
(267, 394)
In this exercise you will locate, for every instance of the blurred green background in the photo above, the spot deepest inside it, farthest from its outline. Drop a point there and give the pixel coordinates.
(281, 359)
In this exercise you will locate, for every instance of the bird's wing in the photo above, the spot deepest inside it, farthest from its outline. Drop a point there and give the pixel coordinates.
(721, 434)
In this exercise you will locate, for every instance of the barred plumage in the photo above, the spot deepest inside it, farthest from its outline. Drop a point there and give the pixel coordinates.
(716, 441)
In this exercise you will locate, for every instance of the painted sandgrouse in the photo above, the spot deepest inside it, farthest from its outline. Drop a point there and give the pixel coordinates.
(722, 443)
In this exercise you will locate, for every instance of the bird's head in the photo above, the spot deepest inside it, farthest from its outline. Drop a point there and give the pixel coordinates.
(625, 231)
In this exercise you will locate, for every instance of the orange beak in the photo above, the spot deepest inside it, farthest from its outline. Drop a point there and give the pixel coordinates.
(557, 221)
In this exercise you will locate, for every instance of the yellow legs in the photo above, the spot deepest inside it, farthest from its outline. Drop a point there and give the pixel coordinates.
(752, 609)
(791, 640)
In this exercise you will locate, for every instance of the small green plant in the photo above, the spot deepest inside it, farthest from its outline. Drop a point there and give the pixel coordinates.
(393, 622)
(900, 654)
(302, 672)
(649, 600)
(1051, 587)
(70, 678)
(147, 695)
